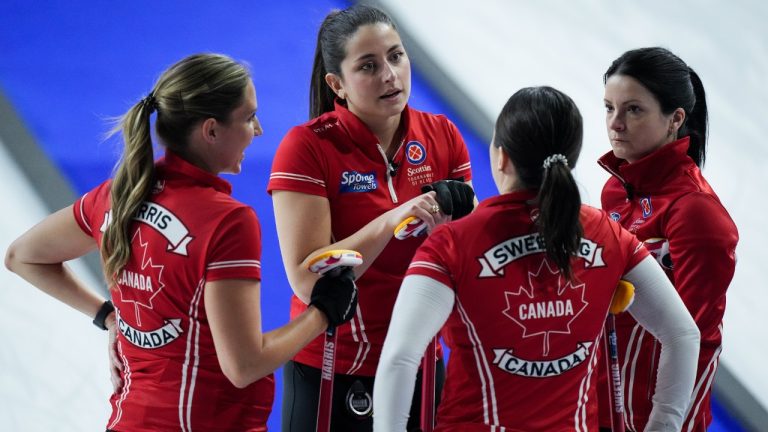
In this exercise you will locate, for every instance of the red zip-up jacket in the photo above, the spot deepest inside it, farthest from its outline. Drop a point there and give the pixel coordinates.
(665, 201)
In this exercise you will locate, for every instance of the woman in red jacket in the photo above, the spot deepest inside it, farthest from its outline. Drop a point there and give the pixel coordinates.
(656, 117)
(520, 289)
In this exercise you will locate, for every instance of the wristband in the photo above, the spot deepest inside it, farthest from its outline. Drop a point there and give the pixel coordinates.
(101, 316)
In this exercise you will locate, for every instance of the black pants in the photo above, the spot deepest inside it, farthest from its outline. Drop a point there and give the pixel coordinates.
(301, 391)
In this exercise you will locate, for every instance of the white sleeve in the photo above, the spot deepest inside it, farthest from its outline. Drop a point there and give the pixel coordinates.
(422, 307)
(659, 309)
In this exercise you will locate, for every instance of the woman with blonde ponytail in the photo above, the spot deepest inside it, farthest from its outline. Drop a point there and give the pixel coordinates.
(181, 258)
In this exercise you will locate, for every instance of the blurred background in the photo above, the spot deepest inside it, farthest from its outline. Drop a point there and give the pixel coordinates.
(66, 68)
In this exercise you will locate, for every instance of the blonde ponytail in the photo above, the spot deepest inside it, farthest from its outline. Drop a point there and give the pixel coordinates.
(130, 186)
(196, 88)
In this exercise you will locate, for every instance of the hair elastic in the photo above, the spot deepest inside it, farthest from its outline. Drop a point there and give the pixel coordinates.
(555, 158)
(150, 102)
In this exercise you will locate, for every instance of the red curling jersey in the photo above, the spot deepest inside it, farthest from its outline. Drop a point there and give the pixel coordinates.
(523, 339)
(189, 232)
(664, 200)
(337, 157)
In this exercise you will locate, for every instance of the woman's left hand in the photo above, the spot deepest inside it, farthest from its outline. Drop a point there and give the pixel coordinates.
(115, 364)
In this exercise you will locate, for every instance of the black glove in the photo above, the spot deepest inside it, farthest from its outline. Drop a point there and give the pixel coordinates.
(335, 294)
(454, 197)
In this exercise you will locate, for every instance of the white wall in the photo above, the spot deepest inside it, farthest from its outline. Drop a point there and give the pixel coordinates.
(53, 362)
(494, 47)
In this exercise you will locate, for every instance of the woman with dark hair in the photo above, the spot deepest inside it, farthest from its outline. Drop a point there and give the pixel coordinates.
(182, 261)
(521, 289)
(345, 180)
(656, 116)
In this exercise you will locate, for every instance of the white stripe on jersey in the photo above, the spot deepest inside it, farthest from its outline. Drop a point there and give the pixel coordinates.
(194, 327)
(428, 265)
(461, 167)
(483, 369)
(697, 398)
(633, 353)
(193, 380)
(298, 177)
(363, 347)
(234, 263)
(82, 214)
(580, 415)
(126, 386)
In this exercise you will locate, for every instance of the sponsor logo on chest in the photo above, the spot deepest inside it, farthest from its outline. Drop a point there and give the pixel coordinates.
(415, 153)
(354, 181)
(419, 173)
(646, 207)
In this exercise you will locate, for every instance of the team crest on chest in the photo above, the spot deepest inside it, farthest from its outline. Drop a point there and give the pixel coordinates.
(415, 152)
(645, 205)
(420, 173)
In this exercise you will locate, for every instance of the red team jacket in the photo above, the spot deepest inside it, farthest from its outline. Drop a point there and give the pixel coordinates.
(336, 156)
(523, 339)
(664, 200)
(190, 231)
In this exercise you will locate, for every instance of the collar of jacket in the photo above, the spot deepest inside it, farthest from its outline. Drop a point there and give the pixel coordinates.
(653, 171)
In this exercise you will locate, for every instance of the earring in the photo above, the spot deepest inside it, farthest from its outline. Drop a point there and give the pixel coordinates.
(342, 95)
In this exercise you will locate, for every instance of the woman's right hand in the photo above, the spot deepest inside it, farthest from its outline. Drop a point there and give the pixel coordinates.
(422, 207)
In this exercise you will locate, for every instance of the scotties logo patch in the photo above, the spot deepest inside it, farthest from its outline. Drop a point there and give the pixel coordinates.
(353, 181)
(645, 204)
(415, 152)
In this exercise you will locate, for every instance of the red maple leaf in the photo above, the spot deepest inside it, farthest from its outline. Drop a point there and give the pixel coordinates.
(545, 306)
(130, 291)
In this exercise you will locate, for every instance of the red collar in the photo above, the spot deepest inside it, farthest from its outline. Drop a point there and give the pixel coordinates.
(173, 167)
(525, 197)
(359, 131)
(653, 170)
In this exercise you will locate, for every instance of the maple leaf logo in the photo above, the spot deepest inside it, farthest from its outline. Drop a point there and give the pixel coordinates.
(545, 306)
(140, 288)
